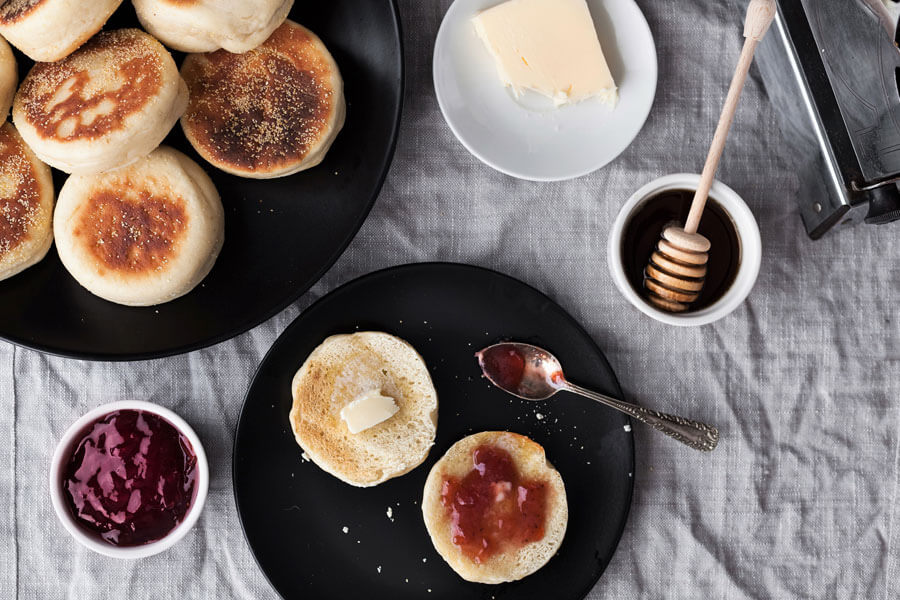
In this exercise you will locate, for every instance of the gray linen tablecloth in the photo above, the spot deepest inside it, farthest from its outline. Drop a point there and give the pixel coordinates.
(799, 501)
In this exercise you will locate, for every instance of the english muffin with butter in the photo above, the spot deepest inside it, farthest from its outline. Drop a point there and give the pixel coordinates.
(495, 508)
(50, 30)
(364, 407)
(9, 78)
(26, 205)
(143, 234)
(108, 104)
(270, 112)
(207, 25)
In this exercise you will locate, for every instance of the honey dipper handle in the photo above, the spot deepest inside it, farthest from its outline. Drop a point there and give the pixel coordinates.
(698, 436)
(759, 16)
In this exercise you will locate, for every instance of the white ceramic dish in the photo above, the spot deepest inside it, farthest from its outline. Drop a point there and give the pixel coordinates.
(527, 137)
(748, 232)
(61, 456)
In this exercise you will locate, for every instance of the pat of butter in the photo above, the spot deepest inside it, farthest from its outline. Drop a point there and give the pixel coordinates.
(368, 410)
(548, 46)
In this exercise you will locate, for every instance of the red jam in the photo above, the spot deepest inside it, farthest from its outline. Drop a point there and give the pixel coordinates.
(492, 508)
(131, 478)
(504, 365)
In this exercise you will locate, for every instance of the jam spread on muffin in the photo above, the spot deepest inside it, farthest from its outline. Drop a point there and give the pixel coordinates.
(493, 507)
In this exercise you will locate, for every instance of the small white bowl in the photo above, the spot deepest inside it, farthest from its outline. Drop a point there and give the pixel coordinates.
(93, 542)
(748, 232)
(527, 137)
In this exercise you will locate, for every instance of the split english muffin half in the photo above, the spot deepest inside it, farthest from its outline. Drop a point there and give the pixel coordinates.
(143, 234)
(345, 369)
(495, 508)
(110, 103)
(208, 25)
(50, 30)
(270, 112)
(26, 205)
(9, 78)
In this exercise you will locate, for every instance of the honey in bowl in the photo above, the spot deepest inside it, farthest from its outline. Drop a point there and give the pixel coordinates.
(131, 478)
(642, 233)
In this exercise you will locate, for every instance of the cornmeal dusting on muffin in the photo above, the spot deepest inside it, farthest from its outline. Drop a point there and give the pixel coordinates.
(86, 95)
(132, 232)
(265, 108)
(20, 201)
(13, 10)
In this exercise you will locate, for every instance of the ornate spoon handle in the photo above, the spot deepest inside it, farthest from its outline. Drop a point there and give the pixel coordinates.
(698, 436)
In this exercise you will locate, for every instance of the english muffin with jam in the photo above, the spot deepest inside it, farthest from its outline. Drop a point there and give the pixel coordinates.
(207, 25)
(26, 205)
(495, 508)
(108, 104)
(364, 407)
(268, 113)
(143, 234)
(50, 30)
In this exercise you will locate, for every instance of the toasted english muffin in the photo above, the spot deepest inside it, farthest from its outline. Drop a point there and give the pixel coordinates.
(9, 78)
(143, 234)
(108, 104)
(26, 205)
(207, 25)
(270, 112)
(341, 369)
(497, 560)
(50, 30)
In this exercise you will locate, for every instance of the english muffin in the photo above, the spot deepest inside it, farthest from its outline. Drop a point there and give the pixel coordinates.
(9, 78)
(50, 30)
(143, 234)
(208, 25)
(495, 508)
(26, 205)
(343, 369)
(108, 104)
(270, 112)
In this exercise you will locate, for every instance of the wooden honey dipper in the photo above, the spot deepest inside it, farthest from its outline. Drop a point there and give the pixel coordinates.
(674, 277)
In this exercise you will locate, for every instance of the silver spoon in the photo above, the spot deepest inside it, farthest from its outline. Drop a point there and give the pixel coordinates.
(532, 373)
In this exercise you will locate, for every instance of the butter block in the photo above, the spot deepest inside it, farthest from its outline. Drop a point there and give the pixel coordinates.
(368, 410)
(548, 46)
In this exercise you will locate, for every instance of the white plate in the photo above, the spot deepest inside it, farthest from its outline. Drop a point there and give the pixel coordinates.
(527, 137)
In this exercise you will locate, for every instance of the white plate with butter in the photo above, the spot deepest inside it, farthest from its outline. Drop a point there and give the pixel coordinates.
(530, 135)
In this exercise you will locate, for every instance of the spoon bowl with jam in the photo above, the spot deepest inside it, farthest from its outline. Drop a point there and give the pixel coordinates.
(532, 373)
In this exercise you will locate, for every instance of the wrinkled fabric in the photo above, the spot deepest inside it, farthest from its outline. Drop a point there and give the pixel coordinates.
(799, 501)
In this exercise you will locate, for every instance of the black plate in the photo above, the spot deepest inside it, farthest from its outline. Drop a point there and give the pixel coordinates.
(293, 512)
(280, 235)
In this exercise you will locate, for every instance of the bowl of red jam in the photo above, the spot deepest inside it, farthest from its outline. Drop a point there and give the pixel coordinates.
(129, 479)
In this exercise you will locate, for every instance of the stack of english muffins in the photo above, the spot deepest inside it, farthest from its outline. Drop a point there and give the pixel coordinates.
(138, 223)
